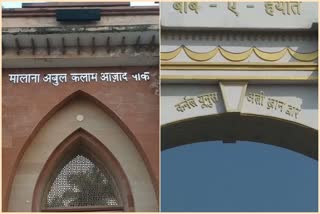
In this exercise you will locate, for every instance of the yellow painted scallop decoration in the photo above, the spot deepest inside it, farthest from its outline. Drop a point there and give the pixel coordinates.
(270, 56)
(235, 57)
(200, 56)
(304, 57)
(170, 55)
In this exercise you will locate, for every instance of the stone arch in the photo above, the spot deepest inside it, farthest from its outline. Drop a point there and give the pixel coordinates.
(59, 123)
(230, 127)
(85, 142)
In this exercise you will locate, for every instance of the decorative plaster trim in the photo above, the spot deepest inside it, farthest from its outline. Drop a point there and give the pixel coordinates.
(241, 56)
(235, 66)
(232, 78)
(222, 35)
(223, 86)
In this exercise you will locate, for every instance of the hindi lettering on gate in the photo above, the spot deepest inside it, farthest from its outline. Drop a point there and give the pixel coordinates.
(24, 78)
(58, 78)
(204, 100)
(273, 104)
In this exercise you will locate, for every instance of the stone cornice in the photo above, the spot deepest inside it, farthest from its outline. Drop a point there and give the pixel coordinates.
(215, 35)
(111, 11)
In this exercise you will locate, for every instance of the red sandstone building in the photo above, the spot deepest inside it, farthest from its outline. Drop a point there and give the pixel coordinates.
(80, 107)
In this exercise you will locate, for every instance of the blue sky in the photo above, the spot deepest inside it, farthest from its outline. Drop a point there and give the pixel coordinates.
(11, 4)
(245, 176)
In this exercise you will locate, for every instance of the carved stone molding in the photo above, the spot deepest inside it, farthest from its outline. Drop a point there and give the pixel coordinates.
(241, 56)
(238, 36)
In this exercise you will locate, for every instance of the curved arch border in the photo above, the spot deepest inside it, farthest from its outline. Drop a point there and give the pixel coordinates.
(56, 108)
(256, 128)
(104, 157)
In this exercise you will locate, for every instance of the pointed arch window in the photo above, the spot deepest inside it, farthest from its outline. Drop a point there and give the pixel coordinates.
(77, 178)
(82, 183)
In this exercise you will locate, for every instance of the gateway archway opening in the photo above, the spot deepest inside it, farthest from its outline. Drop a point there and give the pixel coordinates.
(82, 175)
(230, 127)
(223, 163)
(245, 176)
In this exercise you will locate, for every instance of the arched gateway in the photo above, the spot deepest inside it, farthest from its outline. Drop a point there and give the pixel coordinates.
(77, 96)
(233, 126)
(239, 71)
(95, 137)
(240, 79)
